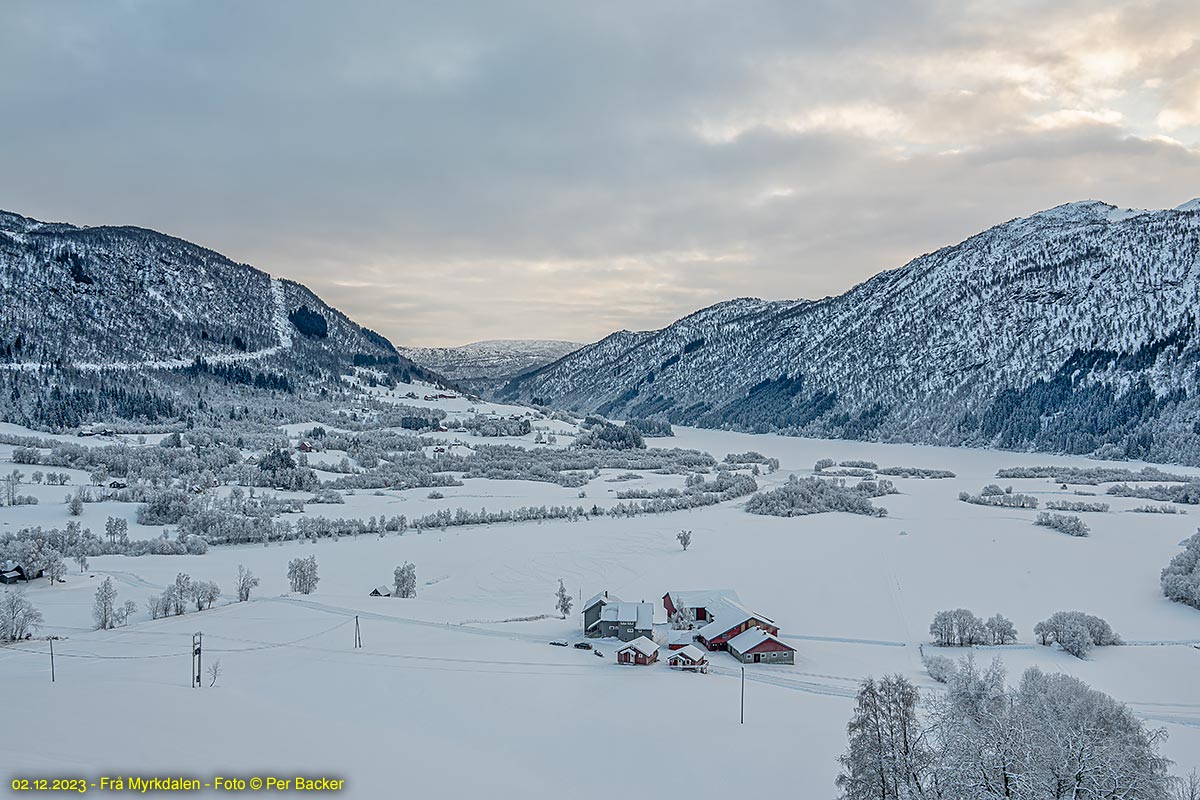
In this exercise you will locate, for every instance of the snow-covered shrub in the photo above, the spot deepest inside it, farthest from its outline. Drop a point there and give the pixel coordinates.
(915, 472)
(1077, 506)
(1065, 523)
(801, 496)
(1181, 577)
(1149, 509)
(824, 463)
(327, 495)
(1003, 500)
(1092, 475)
(940, 668)
(869, 465)
(1187, 493)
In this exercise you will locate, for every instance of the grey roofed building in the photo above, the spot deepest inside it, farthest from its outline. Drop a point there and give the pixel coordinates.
(381, 591)
(605, 616)
(592, 608)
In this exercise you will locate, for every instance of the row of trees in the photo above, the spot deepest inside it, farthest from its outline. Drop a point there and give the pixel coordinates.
(961, 628)
(1074, 631)
(175, 599)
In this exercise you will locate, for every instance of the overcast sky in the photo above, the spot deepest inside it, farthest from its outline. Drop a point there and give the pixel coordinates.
(446, 172)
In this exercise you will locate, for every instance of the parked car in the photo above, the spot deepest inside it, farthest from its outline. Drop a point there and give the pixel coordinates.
(582, 646)
(559, 644)
(597, 653)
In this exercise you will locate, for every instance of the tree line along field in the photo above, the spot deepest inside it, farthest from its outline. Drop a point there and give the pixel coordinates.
(443, 678)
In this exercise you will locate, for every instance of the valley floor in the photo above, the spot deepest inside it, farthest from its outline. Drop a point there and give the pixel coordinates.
(445, 699)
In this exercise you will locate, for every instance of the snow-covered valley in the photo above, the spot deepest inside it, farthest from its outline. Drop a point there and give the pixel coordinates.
(447, 699)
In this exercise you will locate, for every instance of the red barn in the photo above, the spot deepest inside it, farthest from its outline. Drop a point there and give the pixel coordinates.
(756, 646)
(729, 620)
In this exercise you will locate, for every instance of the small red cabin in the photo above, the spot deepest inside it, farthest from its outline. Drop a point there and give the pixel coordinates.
(641, 651)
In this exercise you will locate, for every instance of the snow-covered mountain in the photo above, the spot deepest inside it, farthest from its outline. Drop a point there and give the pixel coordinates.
(492, 361)
(1074, 329)
(125, 297)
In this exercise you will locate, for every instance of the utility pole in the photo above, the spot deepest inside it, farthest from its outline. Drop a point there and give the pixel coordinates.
(743, 722)
(357, 633)
(52, 661)
(196, 647)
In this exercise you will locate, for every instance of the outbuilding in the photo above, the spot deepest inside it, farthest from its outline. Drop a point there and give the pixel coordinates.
(641, 651)
(381, 591)
(756, 645)
(690, 658)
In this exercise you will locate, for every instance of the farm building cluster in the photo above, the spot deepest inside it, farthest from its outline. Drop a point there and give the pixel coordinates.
(700, 622)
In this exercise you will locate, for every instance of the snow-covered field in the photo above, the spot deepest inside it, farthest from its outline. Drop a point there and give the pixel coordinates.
(445, 699)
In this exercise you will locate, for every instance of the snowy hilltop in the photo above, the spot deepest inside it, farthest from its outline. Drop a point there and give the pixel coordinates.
(1070, 330)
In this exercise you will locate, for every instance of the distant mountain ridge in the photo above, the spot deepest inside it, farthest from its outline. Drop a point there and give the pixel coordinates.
(1074, 329)
(492, 361)
(118, 297)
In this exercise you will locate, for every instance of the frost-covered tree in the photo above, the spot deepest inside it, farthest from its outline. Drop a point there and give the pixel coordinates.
(1181, 577)
(1051, 736)
(56, 568)
(1075, 632)
(685, 538)
(563, 600)
(246, 581)
(81, 559)
(684, 619)
(957, 628)
(405, 580)
(105, 606)
(204, 594)
(75, 503)
(1000, 630)
(888, 757)
(18, 617)
(302, 574)
(116, 529)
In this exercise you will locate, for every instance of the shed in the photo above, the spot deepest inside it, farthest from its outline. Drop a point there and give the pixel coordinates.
(381, 591)
(677, 640)
(640, 651)
(11, 576)
(756, 645)
(689, 658)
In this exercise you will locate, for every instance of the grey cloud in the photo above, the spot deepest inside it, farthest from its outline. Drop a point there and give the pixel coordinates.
(448, 172)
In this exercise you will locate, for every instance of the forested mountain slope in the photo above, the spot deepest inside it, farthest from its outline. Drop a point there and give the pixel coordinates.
(105, 297)
(1073, 330)
(108, 322)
